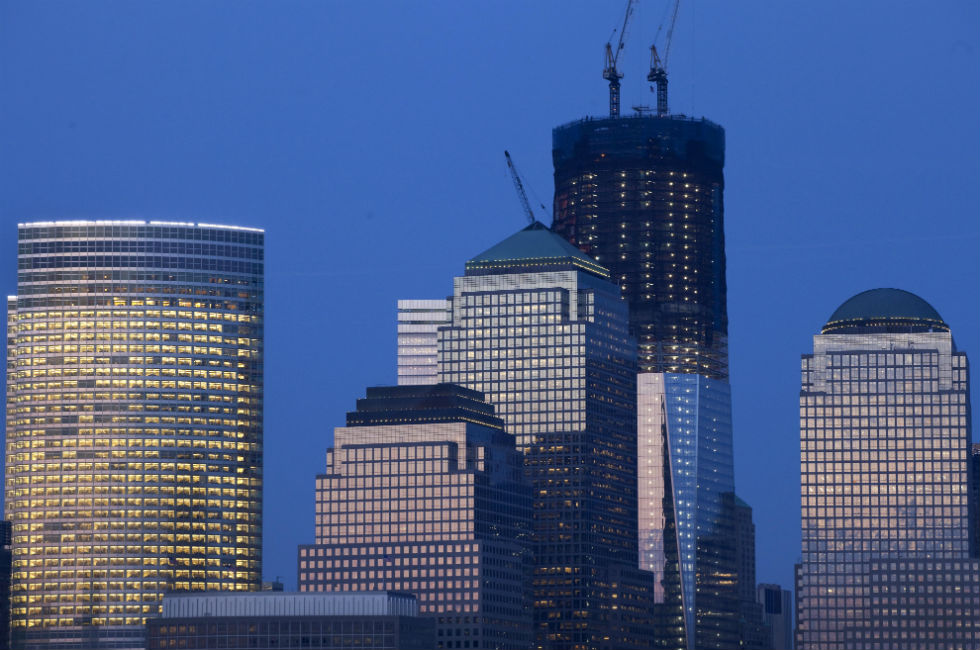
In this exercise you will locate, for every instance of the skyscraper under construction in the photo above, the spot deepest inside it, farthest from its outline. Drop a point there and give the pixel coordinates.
(643, 195)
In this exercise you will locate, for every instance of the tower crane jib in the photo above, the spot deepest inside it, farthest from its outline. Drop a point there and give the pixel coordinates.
(519, 186)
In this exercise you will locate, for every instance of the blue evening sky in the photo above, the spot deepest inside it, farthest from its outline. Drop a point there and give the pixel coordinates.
(367, 139)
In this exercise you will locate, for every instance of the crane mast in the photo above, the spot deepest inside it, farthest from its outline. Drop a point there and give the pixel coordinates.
(658, 67)
(610, 71)
(658, 76)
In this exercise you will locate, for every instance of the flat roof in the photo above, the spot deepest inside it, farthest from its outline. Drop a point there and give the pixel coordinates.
(278, 603)
(131, 222)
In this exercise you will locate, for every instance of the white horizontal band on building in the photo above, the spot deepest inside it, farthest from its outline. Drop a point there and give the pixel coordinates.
(131, 222)
(289, 604)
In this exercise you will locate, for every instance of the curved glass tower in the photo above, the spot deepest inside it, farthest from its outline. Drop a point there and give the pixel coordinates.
(134, 423)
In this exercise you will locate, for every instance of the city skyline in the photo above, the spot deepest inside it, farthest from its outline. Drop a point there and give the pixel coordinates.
(820, 148)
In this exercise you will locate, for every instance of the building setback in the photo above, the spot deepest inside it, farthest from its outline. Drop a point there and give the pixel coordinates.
(538, 327)
(424, 493)
(644, 196)
(134, 424)
(884, 461)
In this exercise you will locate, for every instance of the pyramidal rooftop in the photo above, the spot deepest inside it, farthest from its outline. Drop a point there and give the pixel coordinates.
(531, 250)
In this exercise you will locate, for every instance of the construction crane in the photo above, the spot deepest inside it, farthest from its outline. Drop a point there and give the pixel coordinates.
(519, 186)
(658, 67)
(610, 72)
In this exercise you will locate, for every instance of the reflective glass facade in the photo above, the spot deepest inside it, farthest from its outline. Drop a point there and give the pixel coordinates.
(884, 446)
(134, 424)
(538, 327)
(689, 528)
(653, 465)
(418, 351)
(424, 493)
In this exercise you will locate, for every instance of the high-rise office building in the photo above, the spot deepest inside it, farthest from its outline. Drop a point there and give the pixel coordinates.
(425, 493)
(134, 423)
(753, 635)
(538, 327)
(745, 550)
(418, 327)
(884, 459)
(643, 195)
(777, 615)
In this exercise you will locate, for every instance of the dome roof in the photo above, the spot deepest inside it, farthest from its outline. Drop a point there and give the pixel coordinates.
(885, 310)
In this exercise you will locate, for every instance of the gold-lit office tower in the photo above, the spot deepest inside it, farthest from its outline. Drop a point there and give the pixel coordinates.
(134, 424)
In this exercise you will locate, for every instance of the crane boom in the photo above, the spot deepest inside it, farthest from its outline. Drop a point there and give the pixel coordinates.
(519, 186)
(610, 72)
(670, 32)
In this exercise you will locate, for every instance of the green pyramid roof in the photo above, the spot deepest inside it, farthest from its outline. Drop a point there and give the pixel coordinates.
(533, 248)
